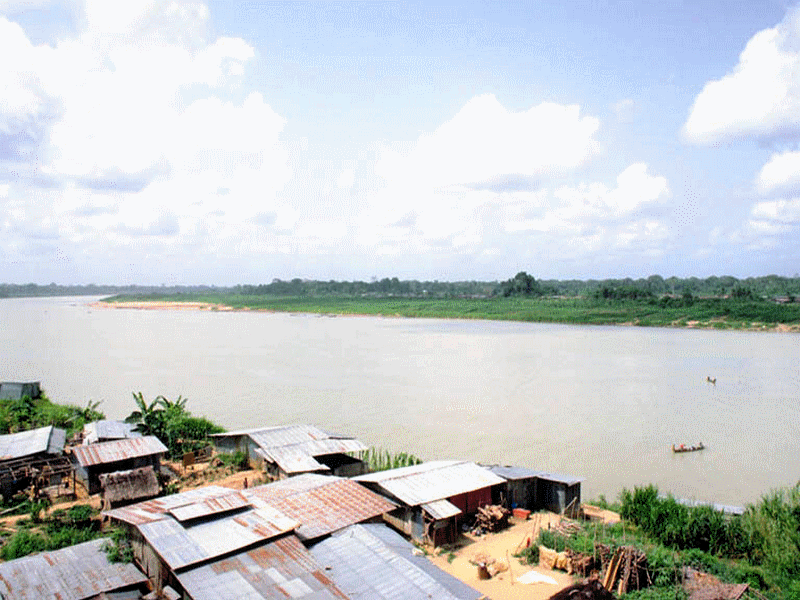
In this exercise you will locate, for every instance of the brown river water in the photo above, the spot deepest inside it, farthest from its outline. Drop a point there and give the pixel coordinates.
(604, 403)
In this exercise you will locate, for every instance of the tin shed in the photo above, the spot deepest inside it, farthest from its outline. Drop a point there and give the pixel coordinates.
(557, 492)
(433, 496)
(289, 450)
(119, 455)
(33, 457)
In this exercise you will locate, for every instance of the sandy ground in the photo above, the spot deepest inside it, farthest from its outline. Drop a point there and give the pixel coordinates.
(159, 305)
(502, 546)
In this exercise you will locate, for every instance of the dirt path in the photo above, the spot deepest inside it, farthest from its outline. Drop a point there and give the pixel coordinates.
(502, 546)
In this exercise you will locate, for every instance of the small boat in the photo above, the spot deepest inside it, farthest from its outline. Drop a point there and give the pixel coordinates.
(683, 448)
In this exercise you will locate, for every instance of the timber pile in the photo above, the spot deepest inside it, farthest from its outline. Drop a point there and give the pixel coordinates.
(490, 518)
(626, 571)
(703, 586)
(566, 528)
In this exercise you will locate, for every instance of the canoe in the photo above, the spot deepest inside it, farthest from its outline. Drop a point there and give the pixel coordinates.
(682, 448)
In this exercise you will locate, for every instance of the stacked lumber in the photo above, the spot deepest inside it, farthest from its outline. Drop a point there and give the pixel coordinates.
(626, 570)
(490, 518)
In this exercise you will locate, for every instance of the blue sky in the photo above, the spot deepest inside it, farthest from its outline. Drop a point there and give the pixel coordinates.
(236, 142)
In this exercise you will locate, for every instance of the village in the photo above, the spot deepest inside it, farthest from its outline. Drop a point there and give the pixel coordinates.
(299, 514)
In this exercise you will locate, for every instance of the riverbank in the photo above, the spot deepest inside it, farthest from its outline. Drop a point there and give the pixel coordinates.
(716, 313)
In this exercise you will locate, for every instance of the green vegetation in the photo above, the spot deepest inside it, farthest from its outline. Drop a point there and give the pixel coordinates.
(62, 528)
(720, 313)
(171, 423)
(760, 547)
(118, 547)
(378, 459)
(25, 413)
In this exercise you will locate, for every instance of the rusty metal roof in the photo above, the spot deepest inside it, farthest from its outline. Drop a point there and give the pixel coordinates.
(201, 524)
(278, 570)
(181, 545)
(322, 504)
(371, 561)
(26, 443)
(118, 450)
(435, 480)
(73, 573)
(153, 510)
(108, 430)
(210, 506)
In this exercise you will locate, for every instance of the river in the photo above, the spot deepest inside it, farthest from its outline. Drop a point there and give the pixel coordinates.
(604, 403)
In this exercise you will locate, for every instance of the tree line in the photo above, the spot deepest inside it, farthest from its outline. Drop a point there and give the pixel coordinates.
(522, 284)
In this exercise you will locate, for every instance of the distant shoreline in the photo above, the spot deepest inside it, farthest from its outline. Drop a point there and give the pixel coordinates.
(397, 312)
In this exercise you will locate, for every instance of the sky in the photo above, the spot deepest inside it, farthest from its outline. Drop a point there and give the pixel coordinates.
(230, 142)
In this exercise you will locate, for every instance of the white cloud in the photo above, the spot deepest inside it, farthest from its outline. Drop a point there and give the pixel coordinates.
(142, 124)
(760, 98)
(781, 171)
(485, 141)
(346, 179)
(780, 211)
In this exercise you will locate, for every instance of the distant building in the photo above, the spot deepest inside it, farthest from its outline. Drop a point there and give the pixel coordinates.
(92, 460)
(538, 490)
(108, 430)
(433, 496)
(12, 390)
(289, 450)
(79, 572)
(33, 457)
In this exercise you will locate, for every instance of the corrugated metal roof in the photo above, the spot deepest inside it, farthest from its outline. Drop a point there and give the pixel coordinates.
(26, 443)
(278, 570)
(118, 450)
(512, 473)
(364, 566)
(181, 545)
(73, 573)
(322, 504)
(559, 478)
(154, 510)
(291, 461)
(441, 509)
(435, 480)
(210, 506)
(108, 430)
(293, 447)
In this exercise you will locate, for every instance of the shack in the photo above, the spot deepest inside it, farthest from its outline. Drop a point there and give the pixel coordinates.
(290, 450)
(107, 430)
(33, 457)
(536, 490)
(13, 390)
(322, 504)
(433, 497)
(76, 573)
(365, 561)
(125, 487)
(213, 542)
(92, 460)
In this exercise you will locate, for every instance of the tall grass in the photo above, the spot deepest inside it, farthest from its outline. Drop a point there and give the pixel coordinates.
(378, 459)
